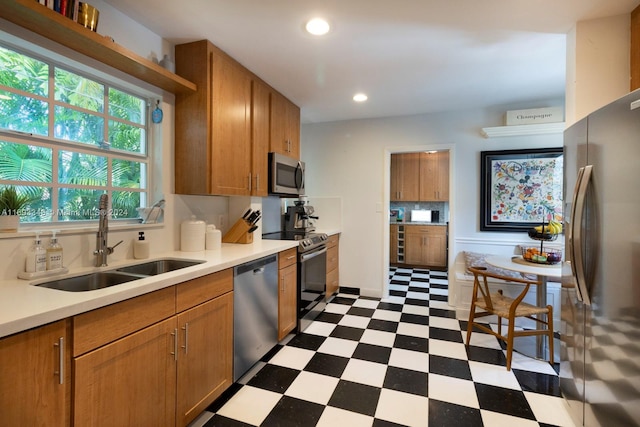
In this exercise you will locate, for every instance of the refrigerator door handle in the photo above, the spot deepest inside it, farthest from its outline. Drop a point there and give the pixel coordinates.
(576, 240)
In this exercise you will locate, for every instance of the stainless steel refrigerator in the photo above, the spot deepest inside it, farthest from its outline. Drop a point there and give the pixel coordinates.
(600, 328)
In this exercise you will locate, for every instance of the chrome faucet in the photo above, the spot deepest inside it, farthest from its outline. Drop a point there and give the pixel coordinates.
(102, 248)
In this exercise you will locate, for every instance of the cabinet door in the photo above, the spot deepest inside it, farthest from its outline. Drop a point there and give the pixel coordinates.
(405, 177)
(435, 250)
(31, 390)
(260, 138)
(443, 176)
(414, 243)
(230, 127)
(130, 382)
(434, 176)
(205, 356)
(393, 244)
(287, 300)
(285, 126)
(333, 267)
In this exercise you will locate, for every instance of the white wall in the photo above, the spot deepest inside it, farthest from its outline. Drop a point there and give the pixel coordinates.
(349, 160)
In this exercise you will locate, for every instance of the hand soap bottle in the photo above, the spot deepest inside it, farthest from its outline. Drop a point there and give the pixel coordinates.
(36, 257)
(140, 247)
(54, 253)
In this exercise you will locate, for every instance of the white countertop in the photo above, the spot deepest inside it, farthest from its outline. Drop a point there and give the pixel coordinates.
(417, 223)
(24, 306)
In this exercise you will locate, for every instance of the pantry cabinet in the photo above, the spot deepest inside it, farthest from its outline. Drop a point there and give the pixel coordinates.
(288, 292)
(333, 264)
(434, 176)
(425, 245)
(35, 377)
(420, 177)
(158, 359)
(285, 126)
(213, 124)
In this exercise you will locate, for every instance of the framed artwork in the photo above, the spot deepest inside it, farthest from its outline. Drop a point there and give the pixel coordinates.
(520, 189)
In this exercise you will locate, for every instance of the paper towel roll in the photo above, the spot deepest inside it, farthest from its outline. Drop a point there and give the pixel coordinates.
(192, 235)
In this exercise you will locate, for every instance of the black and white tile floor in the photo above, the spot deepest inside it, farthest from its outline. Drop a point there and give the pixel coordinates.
(399, 361)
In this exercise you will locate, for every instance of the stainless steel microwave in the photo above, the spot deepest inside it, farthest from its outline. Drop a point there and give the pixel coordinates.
(286, 175)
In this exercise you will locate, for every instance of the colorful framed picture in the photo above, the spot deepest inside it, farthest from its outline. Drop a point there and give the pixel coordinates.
(520, 189)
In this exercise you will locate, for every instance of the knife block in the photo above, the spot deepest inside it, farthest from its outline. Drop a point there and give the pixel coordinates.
(238, 233)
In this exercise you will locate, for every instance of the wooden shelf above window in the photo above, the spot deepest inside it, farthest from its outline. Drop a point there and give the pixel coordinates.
(56, 27)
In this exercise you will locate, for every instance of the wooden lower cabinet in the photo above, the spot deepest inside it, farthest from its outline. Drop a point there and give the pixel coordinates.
(426, 245)
(205, 356)
(31, 390)
(333, 263)
(163, 374)
(288, 292)
(130, 382)
(393, 244)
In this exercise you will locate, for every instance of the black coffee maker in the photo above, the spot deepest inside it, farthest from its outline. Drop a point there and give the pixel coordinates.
(299, 218)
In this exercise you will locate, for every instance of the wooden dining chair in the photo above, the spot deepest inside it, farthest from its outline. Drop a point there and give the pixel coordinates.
(507, 308)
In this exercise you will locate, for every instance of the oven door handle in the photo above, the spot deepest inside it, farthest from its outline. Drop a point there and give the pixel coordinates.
(307, 257)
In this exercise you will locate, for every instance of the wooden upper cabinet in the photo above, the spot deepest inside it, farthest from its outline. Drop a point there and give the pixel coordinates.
(260, 138)
(32, 392)
(285, 126)
(213, 125)
(405, 182)
(434, 176)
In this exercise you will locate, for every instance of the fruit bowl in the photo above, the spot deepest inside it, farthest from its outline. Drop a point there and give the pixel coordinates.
(537, 235)
(547, 256)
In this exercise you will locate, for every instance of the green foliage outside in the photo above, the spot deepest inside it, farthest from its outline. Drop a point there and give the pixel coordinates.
(77, 116)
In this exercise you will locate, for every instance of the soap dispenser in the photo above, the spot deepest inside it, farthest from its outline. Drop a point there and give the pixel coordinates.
(54, 253)
(36, 257)
(141, 247)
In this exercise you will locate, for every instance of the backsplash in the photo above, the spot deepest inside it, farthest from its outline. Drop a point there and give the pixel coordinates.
(442, 207)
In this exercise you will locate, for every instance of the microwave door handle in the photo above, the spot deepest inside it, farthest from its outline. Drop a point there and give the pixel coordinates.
(577, 236)
(299, 176)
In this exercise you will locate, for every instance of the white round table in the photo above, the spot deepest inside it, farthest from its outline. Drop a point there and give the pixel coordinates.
(543, 272)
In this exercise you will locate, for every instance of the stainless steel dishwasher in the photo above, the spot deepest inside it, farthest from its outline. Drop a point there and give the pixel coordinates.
(255, 312)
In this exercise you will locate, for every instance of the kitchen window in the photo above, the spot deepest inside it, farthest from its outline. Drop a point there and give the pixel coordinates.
(66, 137)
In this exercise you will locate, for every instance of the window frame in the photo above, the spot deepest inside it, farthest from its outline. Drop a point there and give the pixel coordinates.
(110, 80)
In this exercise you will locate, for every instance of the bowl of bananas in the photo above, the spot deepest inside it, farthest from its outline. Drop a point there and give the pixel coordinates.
(546, 232)
(544, 256)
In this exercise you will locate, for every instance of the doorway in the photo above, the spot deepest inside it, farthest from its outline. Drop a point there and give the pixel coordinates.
(418, 208)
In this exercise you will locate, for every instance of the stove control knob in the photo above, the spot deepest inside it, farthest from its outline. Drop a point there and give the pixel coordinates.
(323, 237)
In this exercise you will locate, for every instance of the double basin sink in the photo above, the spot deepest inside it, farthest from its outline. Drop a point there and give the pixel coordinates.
(117, 276)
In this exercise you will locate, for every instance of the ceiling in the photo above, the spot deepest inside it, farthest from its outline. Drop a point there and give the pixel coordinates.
(408, 56)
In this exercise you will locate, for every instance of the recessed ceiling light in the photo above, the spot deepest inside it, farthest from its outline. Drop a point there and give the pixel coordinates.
(318, 27)
(360, 97)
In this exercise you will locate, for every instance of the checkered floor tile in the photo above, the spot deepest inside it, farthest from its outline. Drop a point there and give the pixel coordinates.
(398, 361)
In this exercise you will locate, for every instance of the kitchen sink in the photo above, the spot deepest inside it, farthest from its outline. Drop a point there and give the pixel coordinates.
(89, 282)
(105, 279)
(159, 266)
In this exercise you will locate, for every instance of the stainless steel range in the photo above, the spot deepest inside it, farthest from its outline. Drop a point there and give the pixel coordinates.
(312, 260)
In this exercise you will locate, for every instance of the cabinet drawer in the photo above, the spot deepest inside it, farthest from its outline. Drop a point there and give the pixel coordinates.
(421, 229)
(287, 258)
(333, 240)
(196, 291)
(332, 259)
(104, 325)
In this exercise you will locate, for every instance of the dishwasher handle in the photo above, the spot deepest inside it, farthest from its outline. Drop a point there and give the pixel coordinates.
(257, 266)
